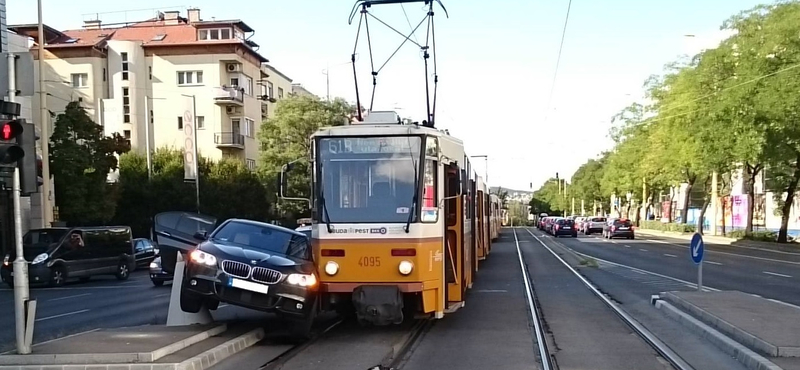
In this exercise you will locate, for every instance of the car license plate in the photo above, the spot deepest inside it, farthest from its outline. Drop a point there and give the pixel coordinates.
(566, 227)
(248, 285)
(623, 228)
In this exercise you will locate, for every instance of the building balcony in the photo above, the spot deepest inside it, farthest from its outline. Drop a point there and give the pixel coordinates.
(229, 140)
(229, 96)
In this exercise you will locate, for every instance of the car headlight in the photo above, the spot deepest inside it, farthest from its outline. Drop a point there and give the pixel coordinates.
(405, 267)
(331, 268)
(302, 279)
(203, 258)
(5, 260)
(40, 258)
(153, 265)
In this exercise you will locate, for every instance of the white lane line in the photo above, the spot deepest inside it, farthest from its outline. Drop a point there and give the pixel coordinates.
(713, 263)
(727, 253)
(222, 306)
(670, 255)
(776, 274)
(68, 297)
(162, 295)
(626, 246)
(640, 272)
(643, 250)
(62, 315)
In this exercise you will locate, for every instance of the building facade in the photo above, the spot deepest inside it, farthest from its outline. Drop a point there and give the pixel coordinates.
(134, 79)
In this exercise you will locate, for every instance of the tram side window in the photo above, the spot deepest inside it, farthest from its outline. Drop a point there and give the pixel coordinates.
(452, 187)
(430, 206)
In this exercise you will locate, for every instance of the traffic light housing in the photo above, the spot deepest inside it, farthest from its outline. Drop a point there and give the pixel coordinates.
(11, 152)
(29, 166)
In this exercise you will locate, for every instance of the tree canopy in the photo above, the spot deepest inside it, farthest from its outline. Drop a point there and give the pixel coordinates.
(730, 108)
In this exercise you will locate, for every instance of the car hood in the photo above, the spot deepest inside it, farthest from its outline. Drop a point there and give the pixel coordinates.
(223, 250)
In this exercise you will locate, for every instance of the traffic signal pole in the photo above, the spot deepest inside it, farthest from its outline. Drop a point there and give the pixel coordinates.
(24, 308)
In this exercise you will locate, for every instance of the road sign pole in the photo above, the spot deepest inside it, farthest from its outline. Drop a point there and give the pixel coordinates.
(700, 277)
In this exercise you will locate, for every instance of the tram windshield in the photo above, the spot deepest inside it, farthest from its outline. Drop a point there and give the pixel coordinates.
(368, 179)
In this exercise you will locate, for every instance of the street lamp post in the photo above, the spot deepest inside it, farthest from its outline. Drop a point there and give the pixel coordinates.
(47, 208)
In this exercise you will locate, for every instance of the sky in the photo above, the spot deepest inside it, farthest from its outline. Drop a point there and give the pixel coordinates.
(496, 62)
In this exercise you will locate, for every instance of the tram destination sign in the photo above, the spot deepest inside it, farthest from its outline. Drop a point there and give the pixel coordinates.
(370, 145)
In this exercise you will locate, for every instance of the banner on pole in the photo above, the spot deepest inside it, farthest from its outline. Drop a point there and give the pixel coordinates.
(189, 140)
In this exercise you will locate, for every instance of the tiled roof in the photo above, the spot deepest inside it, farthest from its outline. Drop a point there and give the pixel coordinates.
(151, 32)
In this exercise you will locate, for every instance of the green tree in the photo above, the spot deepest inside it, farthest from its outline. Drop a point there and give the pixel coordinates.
(284, 137)
(81, 158)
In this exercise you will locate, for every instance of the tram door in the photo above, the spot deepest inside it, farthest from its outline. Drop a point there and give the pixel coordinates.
(454, 234)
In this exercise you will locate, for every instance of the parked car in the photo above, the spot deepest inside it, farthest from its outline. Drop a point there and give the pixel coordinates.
(565, 226)
(158, 276)
(81, 252)
(618, 228)
(144, 251)
(593, 225)
(254, 265)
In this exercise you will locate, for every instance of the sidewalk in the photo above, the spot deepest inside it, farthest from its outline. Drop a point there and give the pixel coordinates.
(721, 240)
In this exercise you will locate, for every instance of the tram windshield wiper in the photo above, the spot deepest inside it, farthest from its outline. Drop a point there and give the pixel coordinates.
(415, 199)
(326, 217)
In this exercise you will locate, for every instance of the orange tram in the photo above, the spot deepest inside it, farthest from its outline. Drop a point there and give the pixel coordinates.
(400, 220)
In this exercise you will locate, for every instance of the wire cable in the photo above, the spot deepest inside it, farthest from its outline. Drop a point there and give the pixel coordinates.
(558, 62)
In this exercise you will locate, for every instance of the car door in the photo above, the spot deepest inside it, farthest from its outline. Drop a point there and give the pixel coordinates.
(174, 232)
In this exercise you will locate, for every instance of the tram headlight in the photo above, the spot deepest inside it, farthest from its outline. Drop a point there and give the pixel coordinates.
(331, 268)
(405, 267)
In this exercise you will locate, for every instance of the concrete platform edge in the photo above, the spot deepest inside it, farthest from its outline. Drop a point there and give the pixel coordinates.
(746, 356)
(749, 340)
(86, 359)
(202, 361)
(215, 355)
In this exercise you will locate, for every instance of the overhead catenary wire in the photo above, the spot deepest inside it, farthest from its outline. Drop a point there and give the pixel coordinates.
(558, 61)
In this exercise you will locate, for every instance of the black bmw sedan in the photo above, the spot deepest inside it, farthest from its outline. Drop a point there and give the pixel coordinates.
(254, 265)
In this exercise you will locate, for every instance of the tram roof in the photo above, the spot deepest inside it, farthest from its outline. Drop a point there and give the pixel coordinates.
(383, 129)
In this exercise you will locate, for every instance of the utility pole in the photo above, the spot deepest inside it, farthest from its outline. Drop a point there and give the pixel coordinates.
(44, 118)
(714, 202)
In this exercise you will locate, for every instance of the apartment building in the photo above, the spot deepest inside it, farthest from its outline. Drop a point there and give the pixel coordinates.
(135, 79)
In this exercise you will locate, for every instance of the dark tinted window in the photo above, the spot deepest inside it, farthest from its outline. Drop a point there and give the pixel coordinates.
(598, 219)
(42, 238)
(265, 238)
(111, 242)
(622, 223)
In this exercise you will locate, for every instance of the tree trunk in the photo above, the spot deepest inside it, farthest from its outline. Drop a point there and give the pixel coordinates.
(723, 203)
(786, 210)
(752, 172)
(686, 198)
(702, 218)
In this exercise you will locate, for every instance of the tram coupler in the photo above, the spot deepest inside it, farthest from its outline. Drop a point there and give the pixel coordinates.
(378, 304)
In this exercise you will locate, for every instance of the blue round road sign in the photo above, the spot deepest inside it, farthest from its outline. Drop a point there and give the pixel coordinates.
(696, 248)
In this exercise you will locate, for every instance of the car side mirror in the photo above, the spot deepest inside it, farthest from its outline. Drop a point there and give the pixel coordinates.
(200, 235)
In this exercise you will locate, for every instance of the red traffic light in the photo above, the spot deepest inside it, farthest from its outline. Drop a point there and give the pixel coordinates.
(10, 130)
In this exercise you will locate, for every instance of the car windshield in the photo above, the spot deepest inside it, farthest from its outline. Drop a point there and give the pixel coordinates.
(266, 238)
(42, 238)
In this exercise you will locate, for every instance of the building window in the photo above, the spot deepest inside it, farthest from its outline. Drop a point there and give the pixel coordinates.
(214, 34)
(124, 57)
(80, 80)
(150, 72)
(180, 122)
(201, 122)
(248, 87)
(249, 127)
(105, 73)
(251, 164)
(190, 78)
(235, 82)
(127, 135)
(280, 93)
(270, 90)
(126, 105)
(151, 116)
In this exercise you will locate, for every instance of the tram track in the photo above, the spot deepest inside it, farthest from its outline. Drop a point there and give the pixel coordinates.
(648, 337)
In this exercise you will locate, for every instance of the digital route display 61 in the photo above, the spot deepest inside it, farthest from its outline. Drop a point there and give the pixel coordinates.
(370, 145)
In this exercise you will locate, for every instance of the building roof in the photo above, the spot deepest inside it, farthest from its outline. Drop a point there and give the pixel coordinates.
(273, 69)
(152, 33)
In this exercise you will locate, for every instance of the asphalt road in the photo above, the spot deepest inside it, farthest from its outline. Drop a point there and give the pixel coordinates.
(631, 290)
(774, 275)
(103, 302)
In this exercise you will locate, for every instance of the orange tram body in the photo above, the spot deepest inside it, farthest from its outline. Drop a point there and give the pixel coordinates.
(400, 220)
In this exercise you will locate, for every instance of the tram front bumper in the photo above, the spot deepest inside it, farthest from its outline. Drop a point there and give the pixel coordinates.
(378, 304)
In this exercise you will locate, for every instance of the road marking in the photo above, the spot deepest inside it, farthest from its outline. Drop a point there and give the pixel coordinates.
(626, 246)
(643, 250)
(74, 288)
(68, 297)
(713, 263)
(639, 272)
(222, 306)
(783, 303)
(776, 274)
(728, 253)
(61, 315)
(162, 295)
(670, 255)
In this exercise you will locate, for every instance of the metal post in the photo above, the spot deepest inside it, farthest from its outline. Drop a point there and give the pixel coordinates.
(573, 205)
(328, 82)
(700, 277)
(196, 158)
(714, 202)
(486, 169)
(147, 139)
(47, 209)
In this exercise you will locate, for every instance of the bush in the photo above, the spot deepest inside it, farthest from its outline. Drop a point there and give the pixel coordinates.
(227, 189)
(761, 236)
(673, 227)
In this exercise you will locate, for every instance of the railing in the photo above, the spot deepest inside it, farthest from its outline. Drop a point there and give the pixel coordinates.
(228, 138)
(227, 93)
